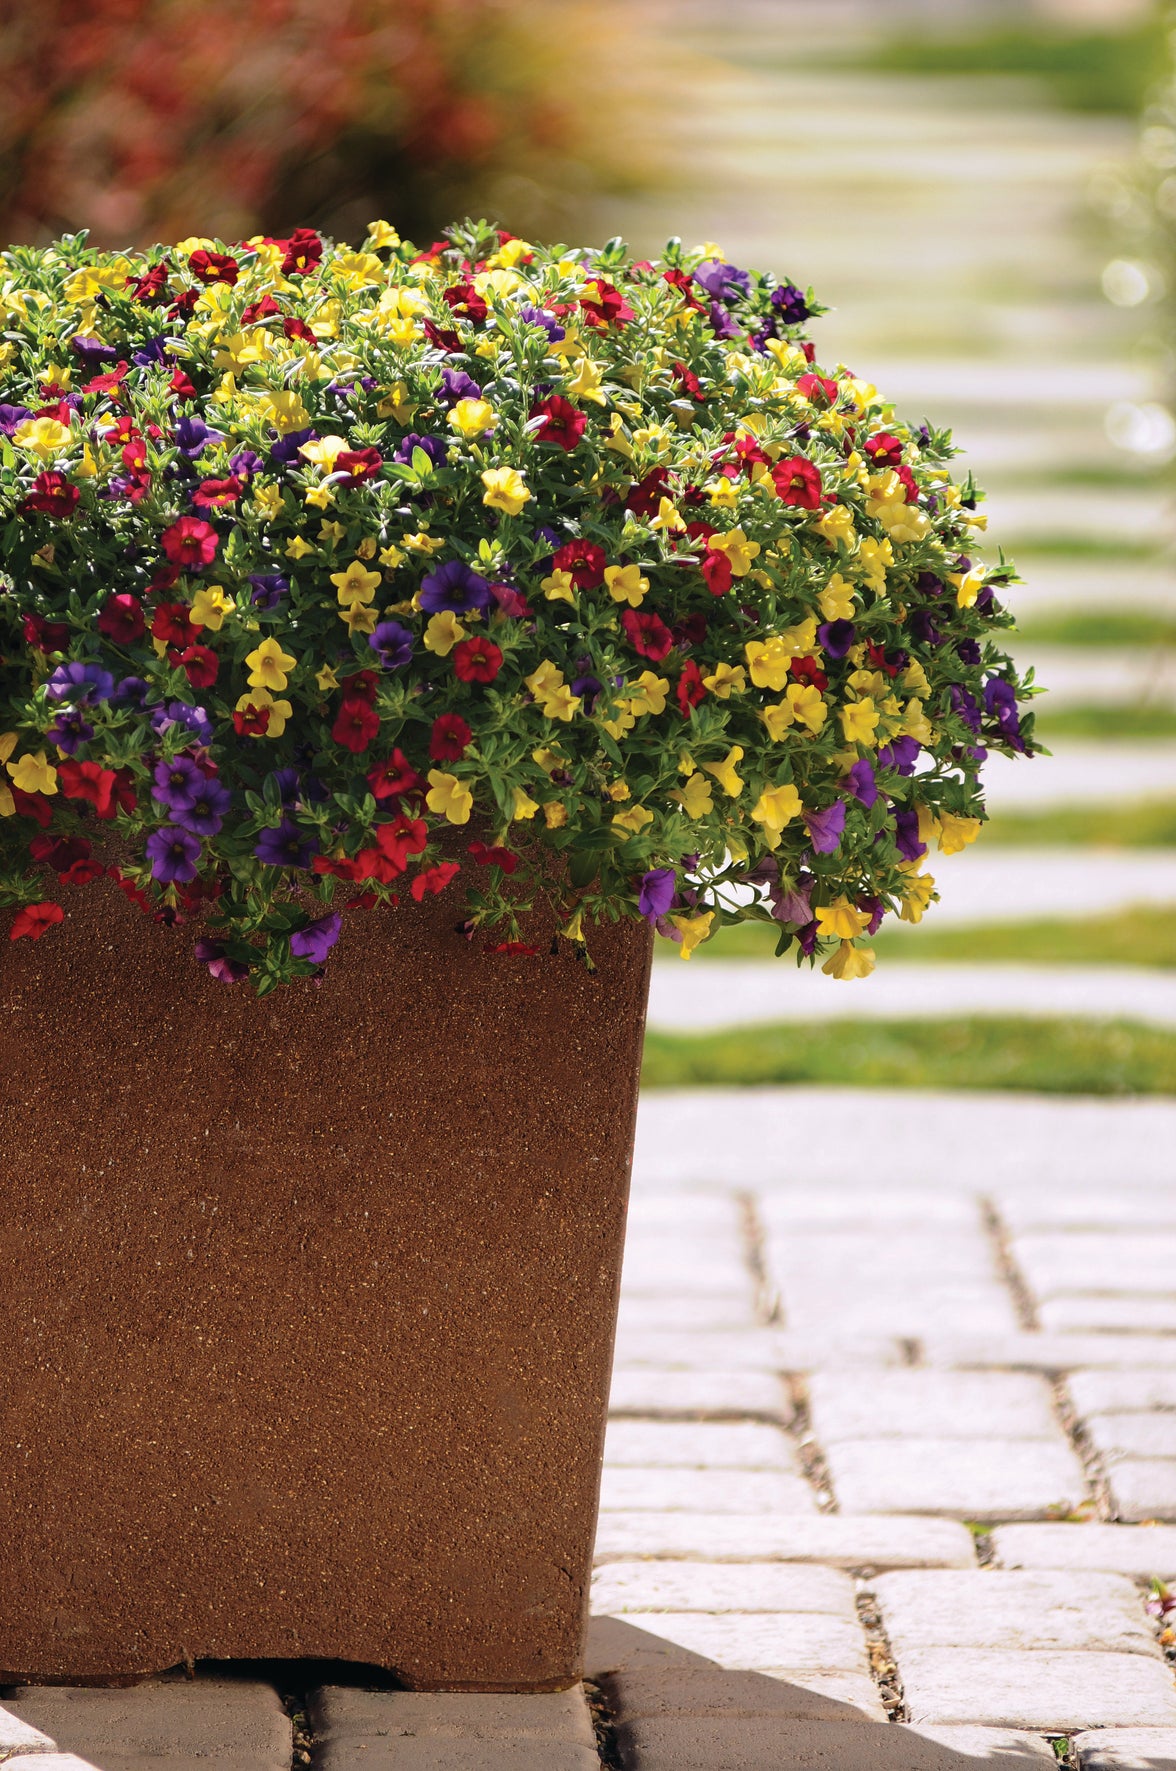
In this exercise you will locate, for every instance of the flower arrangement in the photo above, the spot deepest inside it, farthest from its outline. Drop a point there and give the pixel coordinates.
(333, 575)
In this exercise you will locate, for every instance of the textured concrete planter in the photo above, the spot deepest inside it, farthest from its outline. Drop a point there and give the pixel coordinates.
(308, 1303)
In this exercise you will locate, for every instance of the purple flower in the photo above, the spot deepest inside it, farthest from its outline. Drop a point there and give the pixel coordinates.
(792, 306)
(968, 652)
(79, 682)
(826, 828)
(173, 854)
(877, 910)
(901, 754)
(793, 903)
(12, 417)
(285, 450)
(315, 941)
(964, 703)
(391, 643)
(906, 834)
(435, 448)
(722, 325)
(151, 352)
(539, 316)
(456, 385)
(92, 352)
(722, 282)
(245, 465)
(927, 584)
(177, 783)
(268, 589)
(131, 688)
(288, 784)
(287, 846)
(588, 688)
(205, 812)
(455, 588)
(860, 782)
(69, 732)
(836, 637)
(657, 892)
(923, 628)
(179, 713)
(806, 938)
(193, 436)
(212, 954)
(1000, 702)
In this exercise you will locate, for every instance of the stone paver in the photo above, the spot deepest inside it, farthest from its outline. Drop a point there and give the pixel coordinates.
(688, 1312)
(965, 1479)
(837, 1540)
(1134, 1435)
(720, 1586)
(16, 1734)
(1144, 1488)
(1058, 1263)
(231, 1722)
(35, 1761)
(1139, 1551)
(429, 1731)
(1000, 1687)
(930, 1404)
(766, 1641)
(1102, 1392)
(627, 1490)
(998, 1609)
(750, 1350)
(660, 1390)
(1127, 1749)
(1084, 1311)
(997, 1748)
(687, 1446)
(1050, 1351)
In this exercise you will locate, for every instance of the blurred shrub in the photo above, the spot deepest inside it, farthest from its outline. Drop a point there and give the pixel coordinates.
(146, 119)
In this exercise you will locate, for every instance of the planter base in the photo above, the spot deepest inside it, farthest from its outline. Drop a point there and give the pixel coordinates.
(308, 1302)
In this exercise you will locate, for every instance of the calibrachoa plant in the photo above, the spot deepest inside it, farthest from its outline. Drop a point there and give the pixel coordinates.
(333, 576)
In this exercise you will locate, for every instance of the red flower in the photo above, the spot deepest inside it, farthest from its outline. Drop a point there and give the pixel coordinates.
(395, 842)
(182, 385)
(884, 450)
(584, 560)
(263, 309)
(683, 282)
(106, 384)
(688, 381)
(798, 482)
(89, 781)
(356, 724)
(51, 493)
(59, 852)
(877, 657)
(477, 660)
(251, 721)
(214, 267)
(389, 779)
(134, 455)
(449, 737)
(210, 494)
(817, 388)
(562, 423)
(172, 623)
(905, 474)
(200, 665)
(443, 338)
(605, 305)
(82, 872)
(304, 250)
(487, 857)
(807, 670)
(691, 689)
(32, 805)
(149, 288)
(433, 879)
(463, 298)
(293, 327)
(361, 464)
(46, 636)
(648, 634)
(515, 949)
(647, 493)
(190, 543)
(716, 569)
(34, 919)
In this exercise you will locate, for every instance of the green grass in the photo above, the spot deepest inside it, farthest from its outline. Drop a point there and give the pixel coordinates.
(1044, 1056)
(1107, 71)
(1087, 627)
(1145, 824)
(1144, 935)
(1144, 719)
(1078, 547)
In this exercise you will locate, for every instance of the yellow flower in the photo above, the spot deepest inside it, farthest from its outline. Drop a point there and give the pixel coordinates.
(447, 795)
(859, 721)
(836, 600)
(268, 500)
(724, 772)
(968, 585)
(668, 516)
(620, 791)
(559, 587)
(850, 961)
(837, 526)
(286, 411)
(524, 805)
(695, 798)
(319, 496)
(915, 723)
(506, 490)
(443, 633)
(34, 773)
(42, 436)
(326, 679)
(723, 494)
(269, 665)
(648, 694)
(8, 743)
(391, 557)
(955, 833)
(356, 584)
(802, 704)
(693, 930)
(360, 617)
(920, 889)
(279, 711)
(396, 404)
(841, 919)
(548, 759)
(874, 557)
(298, 548)
(555, 699)
(633, 818)
(422, 543)
(333, 532)
(555, 814)
(726, 680)
(775, 807)
(738, 549)
(626, 585)
(473, 417)
(768, 661)
(585, 383)
(210, 605)
(381, 234)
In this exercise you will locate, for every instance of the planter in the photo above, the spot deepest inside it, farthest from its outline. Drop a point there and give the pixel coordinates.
(309, 1300)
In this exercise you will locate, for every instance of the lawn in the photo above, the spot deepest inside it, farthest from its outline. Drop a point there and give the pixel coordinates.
(1124, 724)
(1137, 824)
(1091, 627)
(1043, 1056)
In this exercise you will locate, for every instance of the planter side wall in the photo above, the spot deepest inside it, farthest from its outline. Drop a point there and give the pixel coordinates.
(308, 1302)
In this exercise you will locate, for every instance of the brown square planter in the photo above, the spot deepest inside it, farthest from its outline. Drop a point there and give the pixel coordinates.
(308, 1302)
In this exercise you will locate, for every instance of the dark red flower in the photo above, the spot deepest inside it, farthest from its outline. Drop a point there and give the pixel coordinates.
(392, 778)
(477, 660)
(46, 636)
(513, 949)
(691, 689)
(807, 670)
(356, 724)
(648, 634)
(906, 475)
(59, 852)
(690, 630)
(89, 781)
(443, 338)
(879, 660)
(32, 805)
(214, 267)
(563, 423)
(884, 449)
(361, 686)
(603, 304)
(33, 919)
(493, 857)
(647, 493)
(150, 287)
(584, 560)
(262, 309)
(200, 665)
(293, 327)
(52, 494)
(798, 482)
(82, 873)
(182, 385)
(172, 623)
(121, 618)
(304, 250)
(688, 381)
(434, 879)
(214, 494)
(190, 542)
(716, 569)
(683, 282)
(463, 299)
(361, 464)
(449, 737)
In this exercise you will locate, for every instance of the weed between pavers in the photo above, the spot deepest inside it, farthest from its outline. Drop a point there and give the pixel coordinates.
(602, 1723)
